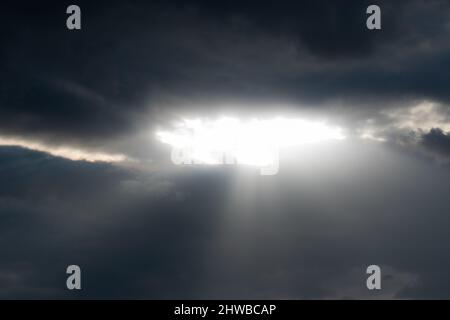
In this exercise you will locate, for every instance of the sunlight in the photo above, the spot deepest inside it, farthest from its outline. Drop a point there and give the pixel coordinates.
(253, 142)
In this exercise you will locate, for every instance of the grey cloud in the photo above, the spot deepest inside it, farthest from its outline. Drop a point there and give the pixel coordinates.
(437, 141)
(94, 87)
(217, 233)
(164, 232)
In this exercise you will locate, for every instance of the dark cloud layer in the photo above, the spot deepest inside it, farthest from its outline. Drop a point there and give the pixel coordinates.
(215, 234)
(437, 141)
(160, 232)
(134, 62)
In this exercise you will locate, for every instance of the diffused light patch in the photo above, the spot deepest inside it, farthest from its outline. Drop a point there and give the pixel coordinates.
(426, 115)
(63, 151)
(233, 141)
(416, 119)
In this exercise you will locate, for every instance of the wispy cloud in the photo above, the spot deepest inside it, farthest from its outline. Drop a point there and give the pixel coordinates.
(64, 151)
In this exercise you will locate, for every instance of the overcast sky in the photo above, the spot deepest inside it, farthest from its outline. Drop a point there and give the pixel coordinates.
(84, 180)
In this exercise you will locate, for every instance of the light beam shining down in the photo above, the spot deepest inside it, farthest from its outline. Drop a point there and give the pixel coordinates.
(233, 141)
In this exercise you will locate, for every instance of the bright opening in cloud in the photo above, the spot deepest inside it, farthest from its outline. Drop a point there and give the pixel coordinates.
(253, 142)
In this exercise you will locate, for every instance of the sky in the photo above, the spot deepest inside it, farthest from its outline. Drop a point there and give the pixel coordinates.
(86, 181)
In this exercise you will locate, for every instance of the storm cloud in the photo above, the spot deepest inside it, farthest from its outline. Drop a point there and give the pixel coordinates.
(85, 182)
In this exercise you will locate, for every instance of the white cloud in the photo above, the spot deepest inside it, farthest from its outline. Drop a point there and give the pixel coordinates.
(423, 116)
(64, 151)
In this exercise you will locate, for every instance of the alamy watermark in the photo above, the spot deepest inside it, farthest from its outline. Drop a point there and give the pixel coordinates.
(373, 22)
(267, 166)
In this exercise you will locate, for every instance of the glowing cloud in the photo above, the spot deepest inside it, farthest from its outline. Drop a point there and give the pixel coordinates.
(254, 142)
(417, 119)
(67, 152)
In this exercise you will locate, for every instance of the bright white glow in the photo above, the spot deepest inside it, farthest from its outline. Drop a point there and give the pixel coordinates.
(252, 142)
(63, 151)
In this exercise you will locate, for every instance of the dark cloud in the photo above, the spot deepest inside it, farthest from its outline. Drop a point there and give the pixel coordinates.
(216, 234)
(148, 230)
(438, 141)
(134, 63)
